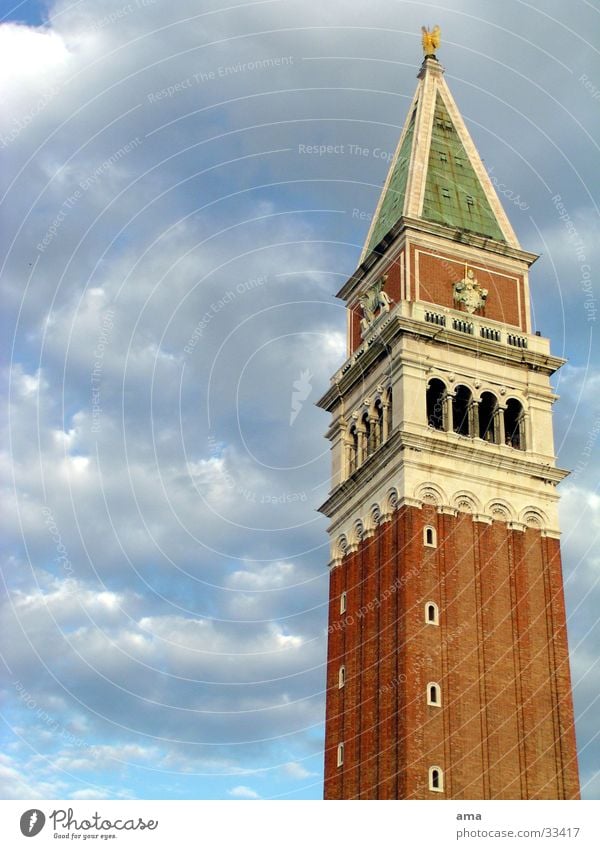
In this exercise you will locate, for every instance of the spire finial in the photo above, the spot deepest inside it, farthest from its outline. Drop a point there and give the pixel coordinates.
(431, 41)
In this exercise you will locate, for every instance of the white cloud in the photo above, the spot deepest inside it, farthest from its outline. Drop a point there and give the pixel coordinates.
(14, 785)
(89, 794)
(243, 792)
(293, 769)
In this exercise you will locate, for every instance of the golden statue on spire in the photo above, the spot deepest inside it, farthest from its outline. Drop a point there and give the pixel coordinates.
(431, 40)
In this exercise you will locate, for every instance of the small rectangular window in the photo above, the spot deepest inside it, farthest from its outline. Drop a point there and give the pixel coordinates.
(343, 599)
(340, 754)
(443, 157)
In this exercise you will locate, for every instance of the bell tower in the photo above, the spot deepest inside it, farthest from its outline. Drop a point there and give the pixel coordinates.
(448, 668)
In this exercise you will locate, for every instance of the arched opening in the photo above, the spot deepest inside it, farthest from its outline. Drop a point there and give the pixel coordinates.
(431, 613)
(430, 536)
(340, 754)
(353, 450)
(436, 393)
(514, 424)
(461, 404)
(343, 602)
(342, 677)
(378, 425)
(434, 694)
(436, 779)
(368, 435)
(488, 408)
(388, 413)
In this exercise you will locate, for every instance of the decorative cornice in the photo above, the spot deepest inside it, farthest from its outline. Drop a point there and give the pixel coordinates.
(484, 453)
(348, 542)
(446, 510)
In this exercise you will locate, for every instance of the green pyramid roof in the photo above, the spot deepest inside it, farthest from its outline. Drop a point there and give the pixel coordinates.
(436, 174)
(453, 194)
(392, 204)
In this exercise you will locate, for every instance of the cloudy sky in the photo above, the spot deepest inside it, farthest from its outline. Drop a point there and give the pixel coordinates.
(170, 255)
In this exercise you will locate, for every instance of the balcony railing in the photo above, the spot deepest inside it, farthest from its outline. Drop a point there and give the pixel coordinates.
(453, 320)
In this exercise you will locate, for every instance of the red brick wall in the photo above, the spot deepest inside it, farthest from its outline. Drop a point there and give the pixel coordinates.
(437, 273)
(505, 728)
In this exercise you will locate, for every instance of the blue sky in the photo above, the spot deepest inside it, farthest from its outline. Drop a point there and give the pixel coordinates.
(169, 260)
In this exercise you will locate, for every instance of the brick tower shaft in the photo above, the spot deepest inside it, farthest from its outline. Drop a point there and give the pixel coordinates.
(448, 668)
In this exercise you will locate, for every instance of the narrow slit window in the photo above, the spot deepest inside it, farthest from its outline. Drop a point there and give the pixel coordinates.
(429, 537)
(434, 694)
(343, 602)
(342, 677)
(436, 779)
(340, 754)
(431, 613)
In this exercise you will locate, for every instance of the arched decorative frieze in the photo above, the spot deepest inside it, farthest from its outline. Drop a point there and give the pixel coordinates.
(466, 502)
(358, 534)
(340, 550)
(371, 521)
(532, 517)
(500, 510)
(392, 500)
(431, 493)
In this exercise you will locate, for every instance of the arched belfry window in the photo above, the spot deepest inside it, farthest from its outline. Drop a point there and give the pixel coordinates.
(461, 411)
(488, 418)
(514, 424)
(436, 779)
(432, 616)
(388, 413)
(436, 394)
(368, 435)
(353, 450)
(434, 694)
(378, 425)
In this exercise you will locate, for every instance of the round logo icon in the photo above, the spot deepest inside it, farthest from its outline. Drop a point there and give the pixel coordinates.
(32, 822)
